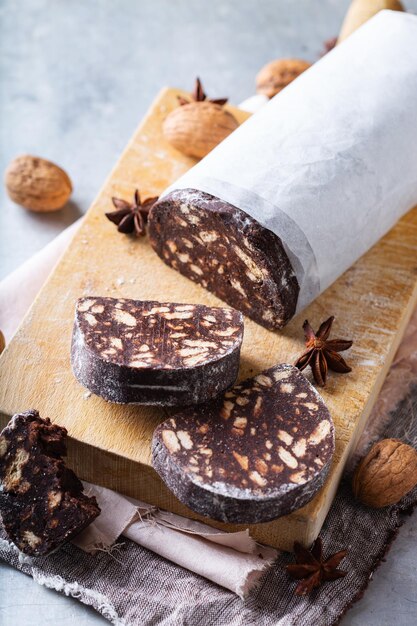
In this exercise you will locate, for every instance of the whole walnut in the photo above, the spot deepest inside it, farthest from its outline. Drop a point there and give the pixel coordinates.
(197, 127)
(386, 474)
(37, 184)
(276, 75)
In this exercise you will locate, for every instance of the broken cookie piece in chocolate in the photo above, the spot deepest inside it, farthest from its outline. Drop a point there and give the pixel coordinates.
(42, 503)
(128, 351)
(261, 451)
(226, 251)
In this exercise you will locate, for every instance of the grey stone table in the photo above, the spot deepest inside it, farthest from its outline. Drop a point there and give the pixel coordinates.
(75, 79)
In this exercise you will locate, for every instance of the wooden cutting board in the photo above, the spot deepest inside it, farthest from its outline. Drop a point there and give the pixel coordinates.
(110, 444)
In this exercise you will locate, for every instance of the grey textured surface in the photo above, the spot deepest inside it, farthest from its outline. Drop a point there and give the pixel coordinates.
(75, 79)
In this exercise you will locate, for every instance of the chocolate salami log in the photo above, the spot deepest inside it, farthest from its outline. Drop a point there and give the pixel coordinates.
(42, 503)
(129, 351)
(275, 213)
(261, 451)
(228, 252)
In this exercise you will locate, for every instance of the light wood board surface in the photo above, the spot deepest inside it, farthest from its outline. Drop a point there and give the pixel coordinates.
(110, 444)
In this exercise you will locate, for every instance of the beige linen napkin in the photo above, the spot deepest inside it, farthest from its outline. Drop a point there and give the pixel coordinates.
(233, 560)
(19, 289)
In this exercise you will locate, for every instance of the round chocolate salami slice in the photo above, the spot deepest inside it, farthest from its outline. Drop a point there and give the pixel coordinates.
(261, 451)
(228, 252)
(161, 353)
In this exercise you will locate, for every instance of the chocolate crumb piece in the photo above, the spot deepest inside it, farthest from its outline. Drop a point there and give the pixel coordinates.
(259, 452)
(161, 353)
(42, 503)
(227, 252)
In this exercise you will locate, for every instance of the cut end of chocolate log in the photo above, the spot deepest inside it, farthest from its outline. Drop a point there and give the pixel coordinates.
(226, 251)
(260, 452)
(160, 353)
(42, 503)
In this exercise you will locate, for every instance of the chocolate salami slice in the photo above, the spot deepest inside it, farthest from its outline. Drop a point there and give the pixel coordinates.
(226, 251)
(261, 451)
(128, 351)
(42, 503)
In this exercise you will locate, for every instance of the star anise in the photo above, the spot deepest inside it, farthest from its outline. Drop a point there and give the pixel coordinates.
(198, 95)
(131, 217)
(311, 569)
(322, 353)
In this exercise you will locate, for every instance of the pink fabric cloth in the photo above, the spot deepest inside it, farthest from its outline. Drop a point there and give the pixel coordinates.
(19, 289)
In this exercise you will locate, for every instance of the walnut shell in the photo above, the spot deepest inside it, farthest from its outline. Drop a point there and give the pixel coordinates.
(198, 127)
(276, 75)
(2, 342)
(386, 474)
(360, 11)
(37, 184)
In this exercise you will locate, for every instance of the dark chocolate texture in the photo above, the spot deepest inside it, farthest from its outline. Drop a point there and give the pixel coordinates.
(129, 351)
(226, 251)
(260, 452)
(42, 503)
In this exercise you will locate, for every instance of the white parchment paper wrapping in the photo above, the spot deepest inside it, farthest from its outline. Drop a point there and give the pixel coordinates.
(330, 163)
